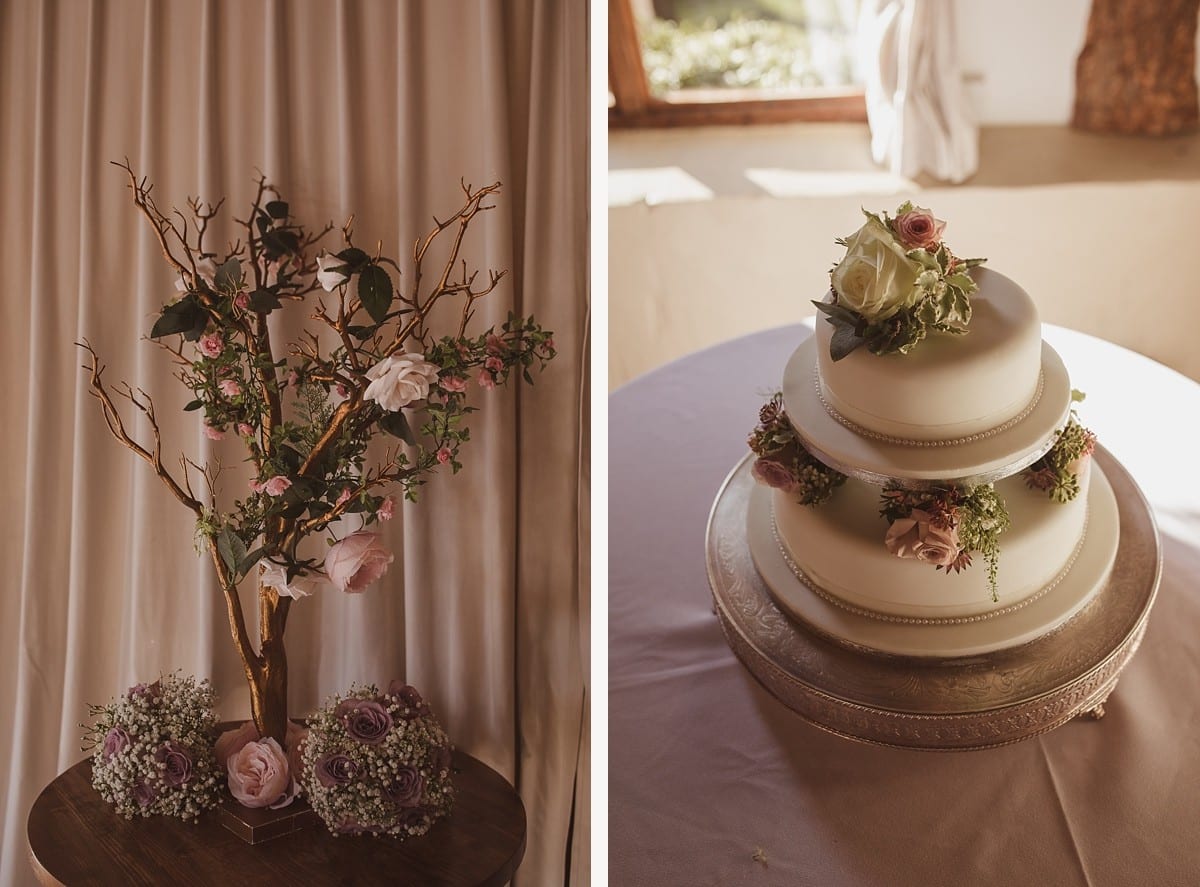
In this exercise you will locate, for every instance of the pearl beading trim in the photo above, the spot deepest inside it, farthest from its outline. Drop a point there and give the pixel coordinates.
(808, 582)
(909, 442)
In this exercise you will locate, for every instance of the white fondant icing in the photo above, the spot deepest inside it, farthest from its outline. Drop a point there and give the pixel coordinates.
(948, 386)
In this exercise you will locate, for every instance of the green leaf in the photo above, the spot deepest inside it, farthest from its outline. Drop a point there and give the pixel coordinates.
(193, 405)
(263, 301)
(843, 342)
(229, 276)
(840, 314)
(397, 425)
(250, 560)
(263, 221)
(277, 209)
(291, 457)
(185, 316)
(354, 257)
(970, 263)
(375, 292)
(361, 332)
(280, 242)
(231, 548)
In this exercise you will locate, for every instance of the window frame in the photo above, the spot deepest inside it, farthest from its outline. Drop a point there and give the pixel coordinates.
(633, 106)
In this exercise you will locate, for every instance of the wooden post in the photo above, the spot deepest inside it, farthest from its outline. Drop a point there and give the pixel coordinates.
(1136, 73)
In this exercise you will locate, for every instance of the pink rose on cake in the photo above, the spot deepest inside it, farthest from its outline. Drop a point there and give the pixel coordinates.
(772, 474)
(918, 229)
(917, 537)
(875, 279)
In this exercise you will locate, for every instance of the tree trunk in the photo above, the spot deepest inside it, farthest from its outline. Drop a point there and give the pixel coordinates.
(268, 676)
(1136, 73)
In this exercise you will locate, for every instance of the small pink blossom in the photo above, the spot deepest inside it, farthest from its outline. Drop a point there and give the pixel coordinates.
(387, 509)
(213, 433)
(444, 455)
(356, 561)
(242, 300)
(342, 391)
(293, 379)
(453, 383)
(494, 364)
(494, 344)
(256, 487)
(230, 388)
(343, 497)
(773, 474)
(546, 349)
(245, 430)
(485, 380)
(211, 345)
(277, 485)
(918, 229)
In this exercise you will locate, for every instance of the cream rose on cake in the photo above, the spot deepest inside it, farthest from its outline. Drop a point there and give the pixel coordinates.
(876, 278)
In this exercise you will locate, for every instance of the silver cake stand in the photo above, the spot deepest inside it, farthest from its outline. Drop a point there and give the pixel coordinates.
(939, 704)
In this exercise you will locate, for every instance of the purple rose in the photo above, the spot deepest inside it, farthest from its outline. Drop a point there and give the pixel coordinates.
(405, 790)
(148, 692)
(178, 761)
(335, 770)
(365, 720)
(144, 794)
(408, 696)
(771, 473)
(415, 818)
(115, 742)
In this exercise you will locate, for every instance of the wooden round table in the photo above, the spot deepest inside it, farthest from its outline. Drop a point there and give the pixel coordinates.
(75, 838)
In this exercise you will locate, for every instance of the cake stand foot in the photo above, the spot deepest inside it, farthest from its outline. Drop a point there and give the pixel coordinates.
(1095, 711)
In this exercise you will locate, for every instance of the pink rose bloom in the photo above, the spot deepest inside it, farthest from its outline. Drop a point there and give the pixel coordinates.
(918, 229)
(444, 455)
(277, 485)
(494, 345)
(773, 474)
(356, 561)
(387, 508)
(211, 345)
(255, 486)
(259, 776)
(213, 433)
(494, 364)
(293, 378)
(454, 383)
(241, 300)
(546, 349)
(232, 741)
(245, 430)
(343, 496)
(916, 537)
(230, 388)
(485, 380)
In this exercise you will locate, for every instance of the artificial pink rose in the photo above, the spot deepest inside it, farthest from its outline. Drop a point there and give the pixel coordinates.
(256, 487)
(916, 537)
(356, 561)
(400, 379)
(232, 741)
(494, 364)
(115, 742)
(213, 433)
(245, 430)
(494, 344)
(242, 300)
(904, 536)
(258, 774)
(939, 547)
(211, 345)
(485, 380)
(456, 384)
(230, 388)
(444, 455)
(277, 485)
(771, 473)
(546, 349)
(387, 509)
(342, 391)
(918, 229)
(343, 497)
(293, 378)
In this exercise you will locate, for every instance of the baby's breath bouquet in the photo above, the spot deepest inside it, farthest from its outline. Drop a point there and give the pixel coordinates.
(377, 763)
(153, 749)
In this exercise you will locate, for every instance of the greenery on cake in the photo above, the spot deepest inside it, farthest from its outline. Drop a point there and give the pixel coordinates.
(944, 526)
(897, 281)
(784, 463)
(1058, 473)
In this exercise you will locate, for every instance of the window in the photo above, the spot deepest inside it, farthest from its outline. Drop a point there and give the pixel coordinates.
(709, 62)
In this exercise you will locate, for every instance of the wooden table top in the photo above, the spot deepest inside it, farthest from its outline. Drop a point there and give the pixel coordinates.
(75, 838)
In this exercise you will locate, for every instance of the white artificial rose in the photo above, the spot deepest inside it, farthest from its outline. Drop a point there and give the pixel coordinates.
(275, 575)
(328, 278)
(399, 380)
(876, 278)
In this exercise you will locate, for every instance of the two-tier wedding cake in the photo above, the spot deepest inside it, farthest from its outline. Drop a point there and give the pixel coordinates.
(925, 486)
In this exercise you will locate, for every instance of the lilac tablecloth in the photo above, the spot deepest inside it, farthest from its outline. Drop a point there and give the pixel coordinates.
(708, 771)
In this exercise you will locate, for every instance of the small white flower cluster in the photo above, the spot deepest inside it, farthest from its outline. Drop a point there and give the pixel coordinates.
(377, 763)
(153, 749)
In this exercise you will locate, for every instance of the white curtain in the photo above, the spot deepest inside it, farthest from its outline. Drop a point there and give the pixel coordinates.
(916, 105)
(369, 107)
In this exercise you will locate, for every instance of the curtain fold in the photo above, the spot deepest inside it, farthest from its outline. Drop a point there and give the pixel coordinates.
(372, 108)
(917, 108)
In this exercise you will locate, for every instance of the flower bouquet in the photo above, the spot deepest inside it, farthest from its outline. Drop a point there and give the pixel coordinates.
(153, 749)
(306, 412)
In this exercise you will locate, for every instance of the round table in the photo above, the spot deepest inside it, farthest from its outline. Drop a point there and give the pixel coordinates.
(713, 781)
(75, 838)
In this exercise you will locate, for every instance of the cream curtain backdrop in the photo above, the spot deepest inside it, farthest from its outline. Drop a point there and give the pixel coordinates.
(375, 108)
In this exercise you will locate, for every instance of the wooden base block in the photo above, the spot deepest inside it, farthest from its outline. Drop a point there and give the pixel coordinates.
(257, 824)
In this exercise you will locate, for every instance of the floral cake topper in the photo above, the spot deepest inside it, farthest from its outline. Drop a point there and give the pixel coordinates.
(897, 281)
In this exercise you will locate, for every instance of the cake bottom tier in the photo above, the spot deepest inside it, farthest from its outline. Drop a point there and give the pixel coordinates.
(828, 567)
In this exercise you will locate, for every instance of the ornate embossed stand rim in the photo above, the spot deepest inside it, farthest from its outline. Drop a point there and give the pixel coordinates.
(939, 705)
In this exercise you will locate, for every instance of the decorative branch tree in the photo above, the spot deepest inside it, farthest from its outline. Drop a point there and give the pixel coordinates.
(307, 415)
